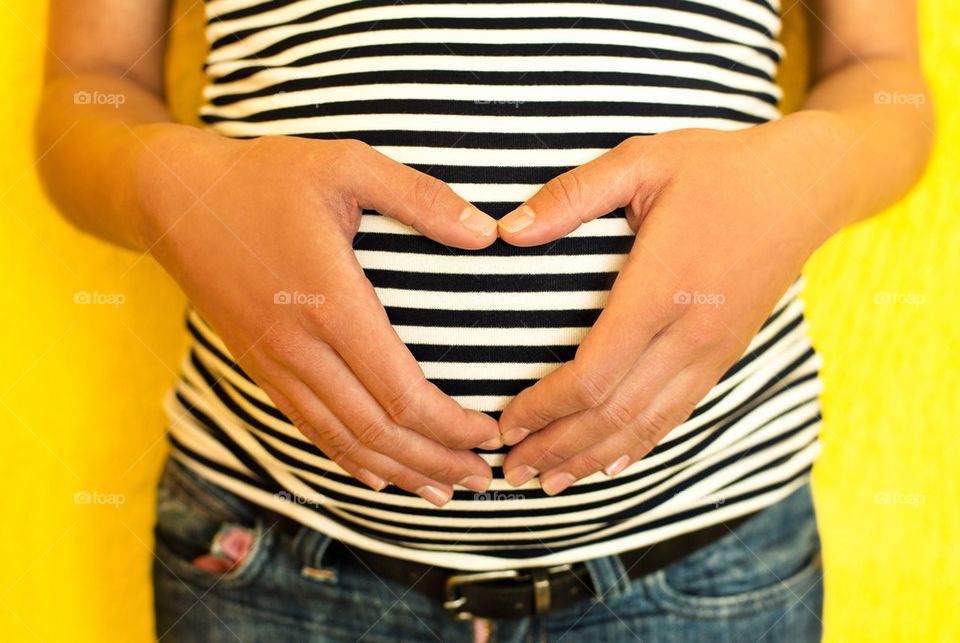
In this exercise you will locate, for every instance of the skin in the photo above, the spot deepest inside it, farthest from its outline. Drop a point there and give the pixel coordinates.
(265, 216)
(728, 214)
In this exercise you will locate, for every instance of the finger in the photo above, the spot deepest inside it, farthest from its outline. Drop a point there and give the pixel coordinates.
(573, 434)
(375, 469)
(372, 427)
(353, 321)
(325, 431)
(614, 454)
(635, 313)
(419, 200)
(579, 195)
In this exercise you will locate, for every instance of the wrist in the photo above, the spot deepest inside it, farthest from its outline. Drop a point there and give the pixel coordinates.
(807, 151)
(165, 177)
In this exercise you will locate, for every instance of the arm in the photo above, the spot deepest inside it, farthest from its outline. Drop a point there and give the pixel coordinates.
(868, 111)
(731, 214)
(237, 222)
(103, 93)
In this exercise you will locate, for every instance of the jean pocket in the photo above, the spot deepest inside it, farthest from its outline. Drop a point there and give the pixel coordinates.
(192, 514)
(772, 560)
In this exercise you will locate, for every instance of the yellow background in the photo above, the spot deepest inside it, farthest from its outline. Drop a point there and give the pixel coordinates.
(80, 386)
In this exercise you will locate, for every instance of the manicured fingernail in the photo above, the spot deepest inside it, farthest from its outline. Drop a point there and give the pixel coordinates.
(492, 443)
(514, 435)
(475, 483)
(617, 466)
(433, 495)
(518, 219)
(556, 483)
(477, 222)
(520, 475)
(371, 480)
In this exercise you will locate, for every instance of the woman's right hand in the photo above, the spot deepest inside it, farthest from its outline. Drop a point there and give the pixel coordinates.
(236, 222)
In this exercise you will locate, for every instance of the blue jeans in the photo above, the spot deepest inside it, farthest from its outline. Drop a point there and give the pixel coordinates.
(760, 582)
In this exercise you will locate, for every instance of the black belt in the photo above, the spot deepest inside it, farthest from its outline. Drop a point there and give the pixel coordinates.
(518, 593)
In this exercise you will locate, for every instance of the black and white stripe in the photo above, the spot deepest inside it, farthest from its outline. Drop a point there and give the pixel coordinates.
(496, 98)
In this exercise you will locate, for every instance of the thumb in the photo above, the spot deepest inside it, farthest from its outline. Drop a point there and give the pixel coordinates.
(582, 194)
(421, 201)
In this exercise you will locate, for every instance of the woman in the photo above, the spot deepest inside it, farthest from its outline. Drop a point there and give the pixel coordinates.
(494, 304)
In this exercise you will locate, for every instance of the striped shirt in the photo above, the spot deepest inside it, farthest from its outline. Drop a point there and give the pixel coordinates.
(496, 98)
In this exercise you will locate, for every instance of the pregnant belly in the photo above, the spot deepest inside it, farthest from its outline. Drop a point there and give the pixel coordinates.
(486, 324)
(494, 99)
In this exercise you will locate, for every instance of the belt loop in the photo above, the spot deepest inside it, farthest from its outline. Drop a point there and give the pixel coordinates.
(310, 546)
(541, 591)
(609, 576)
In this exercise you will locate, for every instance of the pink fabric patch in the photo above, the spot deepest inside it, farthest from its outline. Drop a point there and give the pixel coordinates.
(230, 547)
(481, 630)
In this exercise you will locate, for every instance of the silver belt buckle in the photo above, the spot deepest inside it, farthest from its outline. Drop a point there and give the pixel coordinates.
(456, 603)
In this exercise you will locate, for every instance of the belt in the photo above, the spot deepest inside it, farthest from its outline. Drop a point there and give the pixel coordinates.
(516, 593)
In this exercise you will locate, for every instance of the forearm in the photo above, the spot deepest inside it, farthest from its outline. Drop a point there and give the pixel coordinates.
(886, 106)
(92, 134)
(861, 140)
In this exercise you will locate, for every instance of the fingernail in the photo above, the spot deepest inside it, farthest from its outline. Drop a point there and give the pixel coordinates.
(518, 219)
(492, 443)
(514, 435)
(475, 483)
(371, 480)
(477, 222)
(617, 466)
(520, 475)
(433, 495)
(556, 483)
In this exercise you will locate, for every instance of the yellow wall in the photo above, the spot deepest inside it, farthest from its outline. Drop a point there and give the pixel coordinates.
(80, 387)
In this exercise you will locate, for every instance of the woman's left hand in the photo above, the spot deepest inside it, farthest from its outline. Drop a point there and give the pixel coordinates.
(724, 223)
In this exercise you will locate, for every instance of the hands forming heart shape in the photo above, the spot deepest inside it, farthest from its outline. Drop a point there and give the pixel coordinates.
(723, 225)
